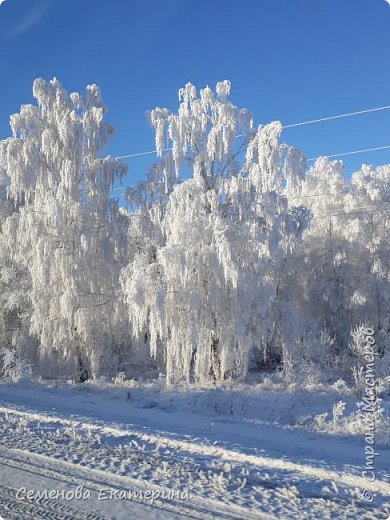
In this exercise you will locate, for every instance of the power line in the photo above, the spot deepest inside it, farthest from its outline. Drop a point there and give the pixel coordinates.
(303, 196)
(293, 125)
(342, 154)
(357, 211)
(374, 208)
(142, 153)
(352, 153)
(340, 116)
(122, 188)
(329, 194)
(383, 206)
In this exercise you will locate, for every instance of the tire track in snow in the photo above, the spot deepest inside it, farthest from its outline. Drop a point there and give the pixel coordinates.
(49, 467)
(15, 508)
(349, 480)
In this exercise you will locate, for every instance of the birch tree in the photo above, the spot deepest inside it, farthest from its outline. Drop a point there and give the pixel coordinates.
(205, 298)
(66, 229)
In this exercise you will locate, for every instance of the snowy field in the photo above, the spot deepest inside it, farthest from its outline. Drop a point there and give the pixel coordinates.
(131, 450)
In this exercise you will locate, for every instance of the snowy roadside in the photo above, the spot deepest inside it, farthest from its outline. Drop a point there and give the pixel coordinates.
(230, 466)
(268, 402)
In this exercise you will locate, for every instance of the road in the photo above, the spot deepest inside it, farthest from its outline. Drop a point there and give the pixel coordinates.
(150, 464)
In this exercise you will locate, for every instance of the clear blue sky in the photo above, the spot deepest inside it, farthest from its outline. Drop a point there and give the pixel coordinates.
(291, 60)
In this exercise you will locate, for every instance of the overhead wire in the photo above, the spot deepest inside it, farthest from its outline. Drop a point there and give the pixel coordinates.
(293, 125)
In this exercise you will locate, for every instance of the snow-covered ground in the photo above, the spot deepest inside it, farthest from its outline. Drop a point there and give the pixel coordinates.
(239, 452)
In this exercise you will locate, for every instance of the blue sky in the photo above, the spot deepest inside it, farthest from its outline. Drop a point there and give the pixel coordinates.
(290, 60)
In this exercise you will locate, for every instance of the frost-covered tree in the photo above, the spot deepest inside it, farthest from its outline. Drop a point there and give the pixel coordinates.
(66, 229)
(369, 231)
(180, 296)
(319, 281)
(15, 285)
(340, 273)
(205, 297)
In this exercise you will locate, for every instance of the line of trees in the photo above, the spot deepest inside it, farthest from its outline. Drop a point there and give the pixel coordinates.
(231, 256)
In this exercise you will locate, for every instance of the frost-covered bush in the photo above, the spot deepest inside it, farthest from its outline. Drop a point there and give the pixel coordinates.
(13, 364)
(12, 368)
(311, 359)
(358, 381)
